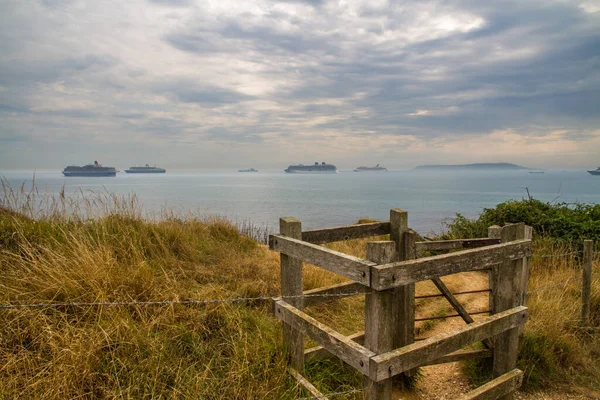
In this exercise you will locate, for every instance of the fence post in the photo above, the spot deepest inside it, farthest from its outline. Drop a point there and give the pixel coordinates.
(586, 288)
(404, 296)
(378, 319)
(494, 232)
(291, 285)
(508, 286)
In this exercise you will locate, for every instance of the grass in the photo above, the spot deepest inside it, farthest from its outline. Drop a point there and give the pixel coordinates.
(90, 247)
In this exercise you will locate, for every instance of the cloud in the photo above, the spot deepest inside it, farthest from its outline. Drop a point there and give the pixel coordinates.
(351, 79)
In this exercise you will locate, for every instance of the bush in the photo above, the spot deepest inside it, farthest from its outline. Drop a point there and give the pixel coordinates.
(563, 222)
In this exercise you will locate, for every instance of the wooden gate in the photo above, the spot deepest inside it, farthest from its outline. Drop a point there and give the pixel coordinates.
(387, 347)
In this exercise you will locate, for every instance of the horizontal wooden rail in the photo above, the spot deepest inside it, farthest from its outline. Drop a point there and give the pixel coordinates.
(461, 355)
(392, 363)
(450, 316)
(427, 296)
(332, 292)
(501, 386)
(337, 234)
(349, 266)
(455, 244)
(337, 344)
(319, 353)
(405, 272)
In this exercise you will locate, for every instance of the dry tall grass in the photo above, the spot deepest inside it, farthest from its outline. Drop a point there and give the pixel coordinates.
(90, 248)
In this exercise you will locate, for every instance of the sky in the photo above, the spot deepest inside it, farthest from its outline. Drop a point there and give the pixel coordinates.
(238, 84)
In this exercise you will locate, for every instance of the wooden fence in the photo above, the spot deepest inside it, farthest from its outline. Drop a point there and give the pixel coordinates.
(387, 348)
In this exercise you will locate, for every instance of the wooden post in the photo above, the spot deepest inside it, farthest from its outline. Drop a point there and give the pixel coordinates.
(291, 285)
(404, 296)
(378, 319)
(586, 288)
(508, 286)
(494, 232)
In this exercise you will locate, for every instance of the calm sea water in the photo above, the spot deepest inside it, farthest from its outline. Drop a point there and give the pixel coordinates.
(329, 200)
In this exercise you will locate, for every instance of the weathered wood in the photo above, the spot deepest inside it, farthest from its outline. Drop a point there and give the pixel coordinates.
(461, 355)
(379, 320)
(508, 284)
(456, 244)
(312, 297)
(586, 286)
(291, 285)
(349, 266)
(501, 386)
(337, 234)
(318, 353)
(309, 387)
(386, 365)
(494, 232)
(526, 233)
(405, 272)
(337, 344)
(457, 306)
(404, 296)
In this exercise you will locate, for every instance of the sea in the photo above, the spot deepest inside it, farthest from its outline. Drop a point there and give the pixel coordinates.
(431, 198)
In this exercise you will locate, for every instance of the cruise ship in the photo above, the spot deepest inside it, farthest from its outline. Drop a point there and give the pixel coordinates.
(145, 170)
(94, 169)
(376, 168)
(595, 172)
(316, 168)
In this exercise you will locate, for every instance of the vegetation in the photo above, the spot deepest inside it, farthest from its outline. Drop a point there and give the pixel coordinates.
(568, 224)
(101, 248)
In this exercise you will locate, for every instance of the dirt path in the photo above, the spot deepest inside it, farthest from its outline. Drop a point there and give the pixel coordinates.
(446, 381)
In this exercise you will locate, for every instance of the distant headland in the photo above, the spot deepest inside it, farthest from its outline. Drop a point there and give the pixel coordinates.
(474, 167)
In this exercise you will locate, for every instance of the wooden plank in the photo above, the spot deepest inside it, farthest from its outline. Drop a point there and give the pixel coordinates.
(456, 244)
(291, 285)
(404, 296)
(311, 297)
(379, 320)
(457, 306)
(337, 344)
(507, 294)
(497, 388)
(349, 266)
(405, 272)
(395, 362)
(586, 285)
(309, 387)
(494, 232)
(318, 353)
(461, 355)
(349, 232)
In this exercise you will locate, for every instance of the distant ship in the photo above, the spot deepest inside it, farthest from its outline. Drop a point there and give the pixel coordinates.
(94, 169)
(248, 170)
(596, 172)
(145, 170)
(376, 168)
(536, 172)
(316, 168)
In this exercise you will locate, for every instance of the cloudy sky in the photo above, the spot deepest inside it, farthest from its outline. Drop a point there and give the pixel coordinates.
(231, 83)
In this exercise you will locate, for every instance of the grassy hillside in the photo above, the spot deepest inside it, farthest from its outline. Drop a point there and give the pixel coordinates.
(61, 249)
